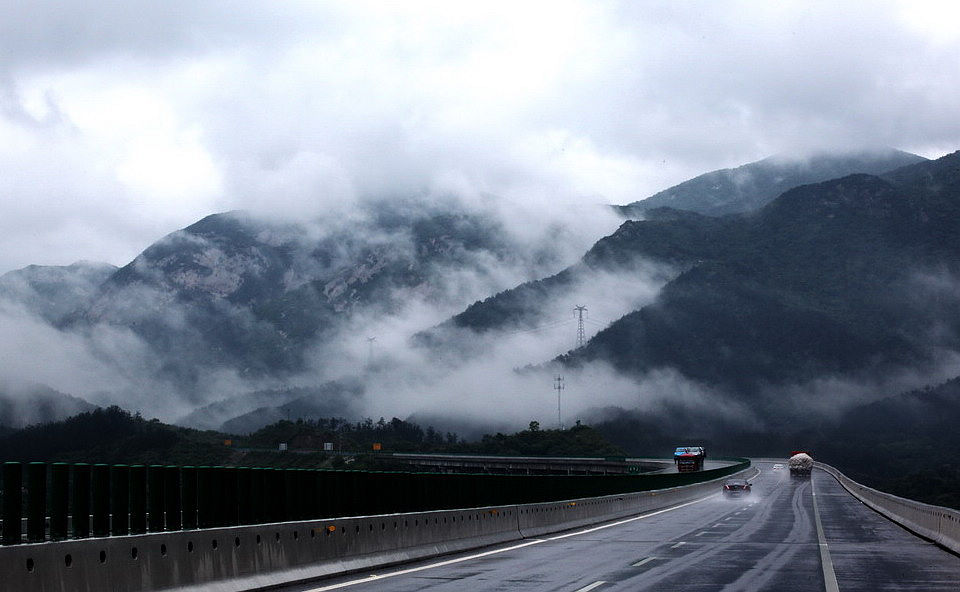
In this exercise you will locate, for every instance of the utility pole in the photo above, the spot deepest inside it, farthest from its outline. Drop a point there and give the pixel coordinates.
(558, 386)
(579, 310)
(370, 341)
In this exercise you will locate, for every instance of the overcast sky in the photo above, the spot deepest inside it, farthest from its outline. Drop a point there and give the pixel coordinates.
(121, 121)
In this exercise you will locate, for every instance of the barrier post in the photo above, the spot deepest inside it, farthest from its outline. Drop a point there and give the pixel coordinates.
(120, 499)
(80, 512)
(100, 500)
(59, 504)
(36, 502)
(138, 499)
(12, 503)
(188, 498)
(172, 503)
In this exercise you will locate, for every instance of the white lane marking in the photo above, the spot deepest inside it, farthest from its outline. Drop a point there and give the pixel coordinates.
(700, 533)
(591, 586)
(829, 577)
(678, 545)
(643, 562)
(727, 518)
(511, 548)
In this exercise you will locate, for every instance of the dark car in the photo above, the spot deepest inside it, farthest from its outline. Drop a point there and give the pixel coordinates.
(736, 487)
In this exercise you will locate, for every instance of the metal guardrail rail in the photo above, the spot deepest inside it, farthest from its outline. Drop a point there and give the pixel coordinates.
(936, 523)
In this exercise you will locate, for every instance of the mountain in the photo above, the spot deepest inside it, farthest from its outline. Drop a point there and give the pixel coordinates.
(259, 299)
(52, 292)
(37, 404)
(249, 412)
(751, 186)
(853, 274)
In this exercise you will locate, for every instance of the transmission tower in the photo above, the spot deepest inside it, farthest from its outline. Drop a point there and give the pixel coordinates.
(558, 386)
(579, 310)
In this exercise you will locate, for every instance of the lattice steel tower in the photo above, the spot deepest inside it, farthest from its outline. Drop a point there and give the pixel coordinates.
(581, 339)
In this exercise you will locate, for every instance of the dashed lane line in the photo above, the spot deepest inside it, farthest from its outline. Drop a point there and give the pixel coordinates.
(642, 562)
(592, 586)
(678, 545)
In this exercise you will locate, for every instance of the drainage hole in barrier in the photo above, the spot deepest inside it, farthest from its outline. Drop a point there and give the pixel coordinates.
(30, 565)
(277, 536)
(214, 543)
(384, 526)
(134, 553)
(296, 535)
(103, 556)
(163, 550)
(189, 546)
(394, 524)
(259, 540)
(313, 533)
(68, 559)
(358, 529)
(406, 523)
(236, 542)
(370, 527)
(343, 530)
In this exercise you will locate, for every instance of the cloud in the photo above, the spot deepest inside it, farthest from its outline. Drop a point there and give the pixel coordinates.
(124, 122)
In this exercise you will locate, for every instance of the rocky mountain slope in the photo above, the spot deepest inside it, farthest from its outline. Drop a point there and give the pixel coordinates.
(751, 186)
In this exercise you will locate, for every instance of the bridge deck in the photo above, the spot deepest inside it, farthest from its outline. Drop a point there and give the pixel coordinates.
(767, 542)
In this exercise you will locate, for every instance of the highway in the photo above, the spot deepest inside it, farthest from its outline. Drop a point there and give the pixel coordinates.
(790, 535)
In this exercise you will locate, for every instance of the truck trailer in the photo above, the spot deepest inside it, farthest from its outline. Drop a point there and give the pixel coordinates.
(801, 464)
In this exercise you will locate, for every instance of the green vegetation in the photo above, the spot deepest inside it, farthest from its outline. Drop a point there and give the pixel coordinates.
(113, 435)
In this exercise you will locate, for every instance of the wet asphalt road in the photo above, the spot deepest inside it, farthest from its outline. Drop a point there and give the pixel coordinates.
(768, 541)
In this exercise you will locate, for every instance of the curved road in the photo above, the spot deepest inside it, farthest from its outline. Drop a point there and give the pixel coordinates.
(770, 541)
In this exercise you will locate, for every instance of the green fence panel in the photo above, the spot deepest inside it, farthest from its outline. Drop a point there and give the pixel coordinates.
(120, 499)
(80, 502)
(100, 500)
(12, 510)
(36, 502)
(59, 500)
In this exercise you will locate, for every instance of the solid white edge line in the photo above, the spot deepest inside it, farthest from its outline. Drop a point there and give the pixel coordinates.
(596, 584)
(513, 547)
(826, 563)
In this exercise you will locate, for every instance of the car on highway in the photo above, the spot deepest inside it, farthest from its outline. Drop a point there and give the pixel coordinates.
(778, 467)
(736, 488)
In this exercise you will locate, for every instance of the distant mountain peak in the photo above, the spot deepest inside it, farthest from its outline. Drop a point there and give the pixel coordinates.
(753, 185)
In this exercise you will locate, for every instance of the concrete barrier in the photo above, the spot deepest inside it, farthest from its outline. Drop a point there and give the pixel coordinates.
(252, 557)
(937, 523)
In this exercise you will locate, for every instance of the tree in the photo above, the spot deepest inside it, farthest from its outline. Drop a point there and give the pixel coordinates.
(534, 426)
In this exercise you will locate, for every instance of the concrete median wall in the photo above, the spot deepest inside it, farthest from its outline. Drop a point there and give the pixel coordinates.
(937, 523)
(252, 557)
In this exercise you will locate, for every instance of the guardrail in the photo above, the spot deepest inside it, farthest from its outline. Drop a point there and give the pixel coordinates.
(251, 557)
(937, 523)
(62, 501)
